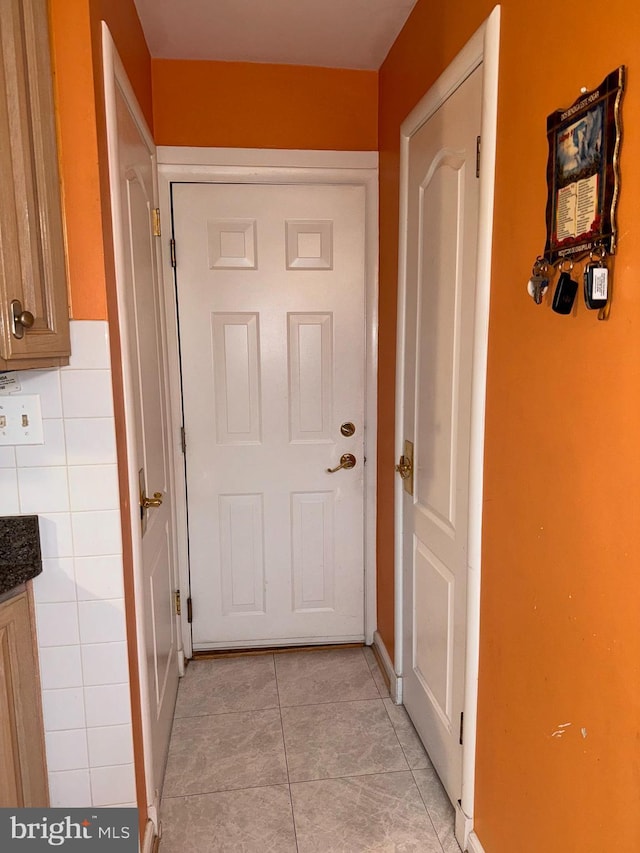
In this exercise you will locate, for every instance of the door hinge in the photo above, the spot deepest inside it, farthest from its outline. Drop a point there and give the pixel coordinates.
(172, 250)
(189, 610)
(155, 221)
(176, 596)
(478, 140)
(461, 727)
(183, 440)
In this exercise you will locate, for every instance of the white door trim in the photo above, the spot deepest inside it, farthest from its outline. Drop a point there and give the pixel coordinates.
(483, 47)
(245, 165)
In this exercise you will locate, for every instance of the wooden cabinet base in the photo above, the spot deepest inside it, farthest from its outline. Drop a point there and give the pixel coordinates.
(23, 771)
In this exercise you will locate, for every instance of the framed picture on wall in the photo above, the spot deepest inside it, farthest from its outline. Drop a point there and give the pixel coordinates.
(583, 178)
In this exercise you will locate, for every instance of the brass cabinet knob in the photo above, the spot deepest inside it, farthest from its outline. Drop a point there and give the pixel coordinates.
(20, 320)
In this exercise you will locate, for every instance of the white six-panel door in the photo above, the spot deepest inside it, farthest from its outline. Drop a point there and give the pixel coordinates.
(442, 229)
(270, 282)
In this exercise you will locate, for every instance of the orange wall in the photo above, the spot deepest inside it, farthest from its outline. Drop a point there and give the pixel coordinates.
(75, 41)
(560, 641)
(252, 105)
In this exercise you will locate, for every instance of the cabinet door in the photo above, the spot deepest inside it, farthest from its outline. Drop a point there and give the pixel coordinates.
(23, 777)
(32, 265)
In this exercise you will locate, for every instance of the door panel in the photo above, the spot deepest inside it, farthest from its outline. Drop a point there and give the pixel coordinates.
(271, 298)
(442, 229)
(140, 309)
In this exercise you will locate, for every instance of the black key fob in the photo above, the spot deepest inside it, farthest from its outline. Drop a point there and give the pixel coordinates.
(565, 294)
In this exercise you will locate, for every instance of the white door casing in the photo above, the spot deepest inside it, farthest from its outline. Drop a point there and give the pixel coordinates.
(270, 282)
(481, 50)
(132, 172)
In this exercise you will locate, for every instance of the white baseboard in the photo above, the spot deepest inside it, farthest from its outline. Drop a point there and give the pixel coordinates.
(464, 827)
(181, 663)
(473, 845)
(149, 840)
(395, 683)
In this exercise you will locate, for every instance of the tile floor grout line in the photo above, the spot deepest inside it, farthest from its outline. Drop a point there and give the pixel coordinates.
(426, 806)
(224, 713)
(353, 776)
(284, 747)
(224, 791)
(332, 702)
(395, 731)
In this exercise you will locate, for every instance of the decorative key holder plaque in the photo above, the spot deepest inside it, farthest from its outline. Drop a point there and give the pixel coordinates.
(583, 182)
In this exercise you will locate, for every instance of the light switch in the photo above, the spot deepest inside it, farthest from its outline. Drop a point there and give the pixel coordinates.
(20, 419)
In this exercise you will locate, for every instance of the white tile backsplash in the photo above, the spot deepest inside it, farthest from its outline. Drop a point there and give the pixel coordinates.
(52, 452)
(87, 393)
(111, 785)
(110, 745)
(55, 535)
(63, 709)
(96, 533)
(71, 483)
(43, 489)
(60, 666)
(70, 788)
(83, 492)
(7, 457)
(90, 441)
(89, 346)
(105, 663)
(102, 621)
(46, 384)
(67, 750)
(108, 705)
(57, 624)
(57, 581)
(99, 577)
(9, 501)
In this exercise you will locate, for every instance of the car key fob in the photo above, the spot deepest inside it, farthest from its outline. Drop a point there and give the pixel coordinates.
(565, 294)
(596, 285)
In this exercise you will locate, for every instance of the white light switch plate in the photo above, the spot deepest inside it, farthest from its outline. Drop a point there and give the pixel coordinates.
(21, 420)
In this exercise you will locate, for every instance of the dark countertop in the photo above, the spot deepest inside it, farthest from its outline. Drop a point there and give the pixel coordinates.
(20, 558)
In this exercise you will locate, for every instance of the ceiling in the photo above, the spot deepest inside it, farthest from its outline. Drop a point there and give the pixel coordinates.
(329, 33)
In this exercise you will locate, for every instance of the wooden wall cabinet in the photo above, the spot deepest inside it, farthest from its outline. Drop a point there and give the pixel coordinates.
(32, 263)
(23, 772)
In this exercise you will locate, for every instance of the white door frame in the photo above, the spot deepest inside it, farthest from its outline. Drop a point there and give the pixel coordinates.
(255, 166)
(482, 48)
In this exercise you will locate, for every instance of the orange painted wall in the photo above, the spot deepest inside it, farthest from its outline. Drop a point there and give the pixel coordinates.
(75, 44)
(254, 105)
(560, 641)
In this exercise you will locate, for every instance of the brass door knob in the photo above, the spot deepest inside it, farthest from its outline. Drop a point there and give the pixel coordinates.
(404, 467)
(347, 460)
(149, 503)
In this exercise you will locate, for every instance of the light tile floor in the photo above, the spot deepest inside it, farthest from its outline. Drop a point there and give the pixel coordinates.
(302, 751)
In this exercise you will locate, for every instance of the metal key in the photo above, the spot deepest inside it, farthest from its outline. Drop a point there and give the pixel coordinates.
(537, 287)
